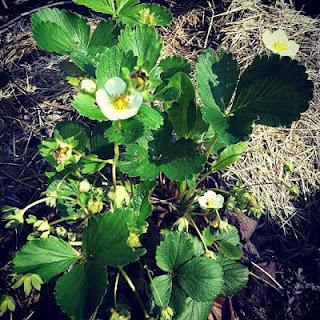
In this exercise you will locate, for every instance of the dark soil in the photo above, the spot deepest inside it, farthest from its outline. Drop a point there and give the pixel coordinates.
(293, 260)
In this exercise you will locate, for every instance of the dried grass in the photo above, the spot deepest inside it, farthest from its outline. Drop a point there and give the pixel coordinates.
(271, 148)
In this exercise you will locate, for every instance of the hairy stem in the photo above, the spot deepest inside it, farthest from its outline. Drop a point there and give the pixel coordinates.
(199, 234)
(114, 164)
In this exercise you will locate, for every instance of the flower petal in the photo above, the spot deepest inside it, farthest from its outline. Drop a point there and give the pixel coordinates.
(293, 49)
(203, 202)
(267, 39)
(115, 87)
(135, 101)
(280, 36)
(105, 105)
(219, 200)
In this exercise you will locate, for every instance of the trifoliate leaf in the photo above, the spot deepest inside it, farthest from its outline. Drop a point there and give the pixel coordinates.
(228, 156)
(110, 248)
(85, 105)
(150, 14)
(161, 288)
(195, 310)
(172, 65)
(145, 44)
(200, 278)
(235, 275)
(99, 6)
(59, 31)
(174, 250)
(80, 291)
(105, 36)
(178, 160)
(45, 257)
(229, 250)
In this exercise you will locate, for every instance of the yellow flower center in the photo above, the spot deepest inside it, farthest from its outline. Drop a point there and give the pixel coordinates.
(211, 203)
(120, 103)
(279, 46)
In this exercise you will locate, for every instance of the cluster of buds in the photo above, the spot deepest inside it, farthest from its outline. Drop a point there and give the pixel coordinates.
(166, 313)
(40, 227)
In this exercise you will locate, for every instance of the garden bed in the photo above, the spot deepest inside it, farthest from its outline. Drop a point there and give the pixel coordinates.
(34, 98)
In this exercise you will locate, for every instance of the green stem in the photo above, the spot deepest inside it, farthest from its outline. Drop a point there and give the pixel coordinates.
(115, 290)
(109, 161)
(29, 206)
(69, 218)
(134, 290)
(199, 234)
(211, 145)
(114, 164)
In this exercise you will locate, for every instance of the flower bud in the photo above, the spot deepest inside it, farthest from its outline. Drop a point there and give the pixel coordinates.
(63, 152)
(166, 313)
(210, 254)
(182, 224)
(119, 196)
(88, 86)
(95, 206)
(84, 186)
(61, 231)
(133, 241)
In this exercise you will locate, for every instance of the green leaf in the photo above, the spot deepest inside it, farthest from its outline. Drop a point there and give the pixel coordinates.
(229, 250)
(178, 160)
(89, 166)
(142, 207)
(75, 130)
(229, 156)
(150, 14)
(105, 36)
(172, 65)
(80, 292)
(272, 91)
(45, 257)
(184, 113)
(161, 288)
(195, 310)
(125, 131)
(85, 105)
(104, 6)
(174, 250)
(105, 239)
(212, 235)
(85, 62)
(217, 77)
(200, 278)
(59, 31)
(150, 117)
(145, 44)
(235, 276)
(98, 141)
(111, 64)
(178, 300)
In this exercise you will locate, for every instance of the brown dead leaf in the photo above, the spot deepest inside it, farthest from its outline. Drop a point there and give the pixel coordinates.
(246, 225)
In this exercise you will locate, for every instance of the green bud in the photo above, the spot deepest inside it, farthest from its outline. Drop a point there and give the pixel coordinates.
(84, 186)
(118, 316)
(288, 167)
(95, 206)
(133, 241)
(7, 304)
(13, 216)
(119, 196)
(294, 192)
(210, 254)
(182, 224)
(61, 232)
(166, 313)
(73, 81)
(88, 86)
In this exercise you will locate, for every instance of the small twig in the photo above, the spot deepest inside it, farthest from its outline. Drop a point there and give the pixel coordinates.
(209, 30)
(268, 275)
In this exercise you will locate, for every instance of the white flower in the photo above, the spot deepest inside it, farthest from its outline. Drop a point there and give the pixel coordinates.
(88, 86)
(115, 103)
(278, 43)
(211, 200)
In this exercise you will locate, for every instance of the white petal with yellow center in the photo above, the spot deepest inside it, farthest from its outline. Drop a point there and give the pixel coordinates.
(114, 102)
(211, 200)
(278, 43)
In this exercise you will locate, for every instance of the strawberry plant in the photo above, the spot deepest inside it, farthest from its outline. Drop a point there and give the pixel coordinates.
(145, 119)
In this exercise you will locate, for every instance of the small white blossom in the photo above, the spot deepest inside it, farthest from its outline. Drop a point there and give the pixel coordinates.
(88, 86)
(211, 200)
(278, 43)
(114, 101)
